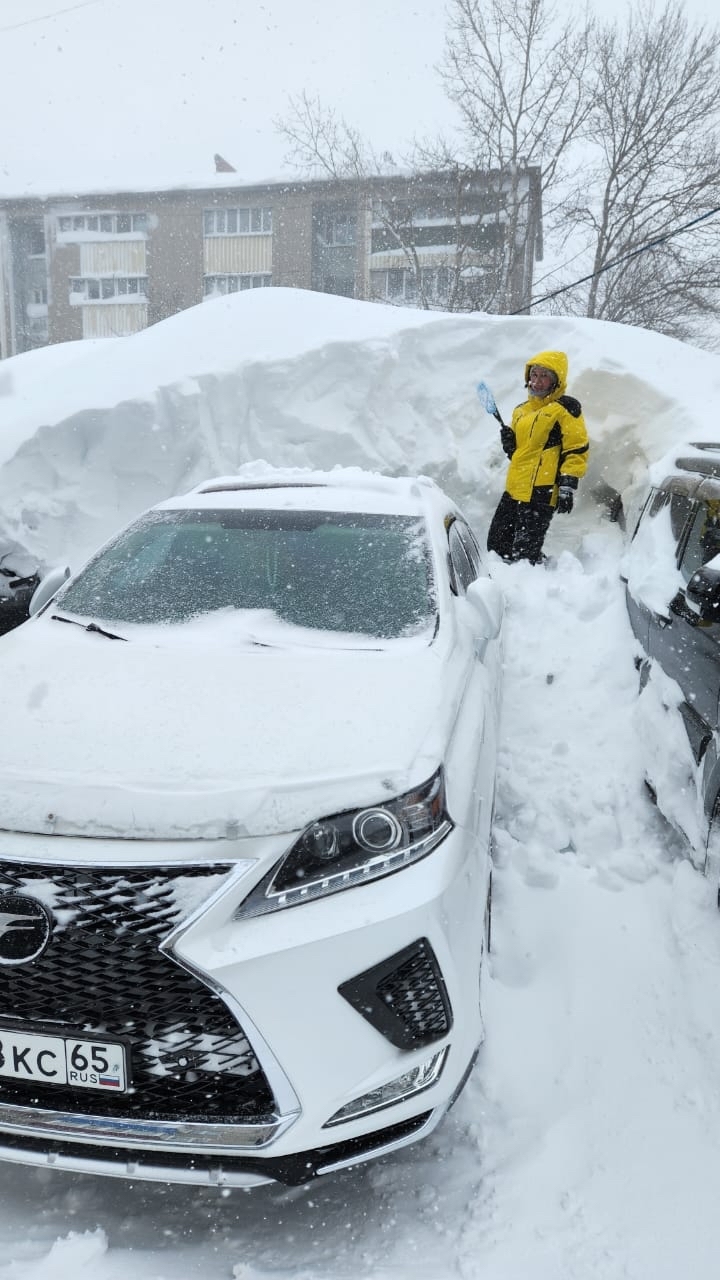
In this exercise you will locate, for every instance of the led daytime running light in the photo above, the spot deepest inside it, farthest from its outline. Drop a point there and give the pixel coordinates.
(398, 1090)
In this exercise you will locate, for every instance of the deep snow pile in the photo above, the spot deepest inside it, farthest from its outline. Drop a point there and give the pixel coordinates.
(92, 433)
(587, 1143)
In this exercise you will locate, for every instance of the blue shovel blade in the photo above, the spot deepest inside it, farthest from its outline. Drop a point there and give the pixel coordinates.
(486, 397)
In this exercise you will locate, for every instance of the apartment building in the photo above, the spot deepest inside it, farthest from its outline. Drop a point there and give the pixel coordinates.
(108, 264)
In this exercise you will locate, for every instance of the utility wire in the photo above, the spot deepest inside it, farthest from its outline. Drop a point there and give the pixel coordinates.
(616, 262)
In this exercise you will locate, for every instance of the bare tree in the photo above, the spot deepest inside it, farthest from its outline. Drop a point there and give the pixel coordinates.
(518, 81)
(322, 144)
(654, 132)
(434, 186)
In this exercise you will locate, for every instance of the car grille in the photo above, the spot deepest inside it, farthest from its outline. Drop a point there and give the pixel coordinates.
(103, 974)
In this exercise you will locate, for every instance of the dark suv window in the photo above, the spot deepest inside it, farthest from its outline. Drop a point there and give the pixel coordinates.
(703, 541)
(680, 511)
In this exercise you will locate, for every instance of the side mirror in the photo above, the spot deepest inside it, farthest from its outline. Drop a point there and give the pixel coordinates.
(47, 587)
(703, 593)
(488, 604)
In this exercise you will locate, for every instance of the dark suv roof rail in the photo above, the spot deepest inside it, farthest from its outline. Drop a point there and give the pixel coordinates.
(701, 466)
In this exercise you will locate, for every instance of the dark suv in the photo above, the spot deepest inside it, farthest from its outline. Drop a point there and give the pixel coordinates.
(672, 575)
(16, 591)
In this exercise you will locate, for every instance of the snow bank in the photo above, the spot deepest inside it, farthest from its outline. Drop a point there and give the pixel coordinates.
(92, 433)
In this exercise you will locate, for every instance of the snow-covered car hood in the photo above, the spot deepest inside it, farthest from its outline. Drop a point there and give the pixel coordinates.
(180, 740)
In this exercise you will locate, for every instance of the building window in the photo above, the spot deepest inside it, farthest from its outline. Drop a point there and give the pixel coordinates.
(93, 225)
(398, 284)
(37, 329)
(237, 222)
(339, 228)
(215, 285)
(38, 295)
(107, 289)
(36, 240)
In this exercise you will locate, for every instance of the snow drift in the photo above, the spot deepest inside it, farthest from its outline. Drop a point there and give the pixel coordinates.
(586, 1145)
(92, 433)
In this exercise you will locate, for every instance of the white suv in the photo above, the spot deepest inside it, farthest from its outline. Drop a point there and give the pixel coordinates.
(246, 786)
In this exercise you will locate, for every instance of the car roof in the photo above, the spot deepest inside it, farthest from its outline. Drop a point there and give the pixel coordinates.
(693, 469)
(703, 461)
(342, 489)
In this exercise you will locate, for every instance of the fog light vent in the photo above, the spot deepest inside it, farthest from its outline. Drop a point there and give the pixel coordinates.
(403, 997)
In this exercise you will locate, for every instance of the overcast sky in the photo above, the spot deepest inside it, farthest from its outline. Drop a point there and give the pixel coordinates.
(110, 92)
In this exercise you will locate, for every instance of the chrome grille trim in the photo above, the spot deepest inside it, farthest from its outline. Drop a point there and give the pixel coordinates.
(187, 1136)
(285, 1097)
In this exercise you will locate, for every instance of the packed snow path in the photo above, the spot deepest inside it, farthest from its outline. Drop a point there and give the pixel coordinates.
(587, 1143)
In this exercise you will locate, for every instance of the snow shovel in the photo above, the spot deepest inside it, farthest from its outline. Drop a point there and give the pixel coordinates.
(487, 400)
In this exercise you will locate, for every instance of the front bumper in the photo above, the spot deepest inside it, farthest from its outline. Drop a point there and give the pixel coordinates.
(308, 1052)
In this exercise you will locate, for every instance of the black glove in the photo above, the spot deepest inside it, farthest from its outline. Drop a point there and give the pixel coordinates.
(507, 440)
(566, 494)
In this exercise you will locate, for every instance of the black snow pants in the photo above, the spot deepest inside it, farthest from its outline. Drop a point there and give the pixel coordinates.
(517, 530)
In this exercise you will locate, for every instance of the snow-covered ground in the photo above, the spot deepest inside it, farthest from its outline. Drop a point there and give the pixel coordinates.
(586, 1145)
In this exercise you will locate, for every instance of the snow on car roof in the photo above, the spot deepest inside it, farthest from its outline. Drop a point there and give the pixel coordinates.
(341, 489)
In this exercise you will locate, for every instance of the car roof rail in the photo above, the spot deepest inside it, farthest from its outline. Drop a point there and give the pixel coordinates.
(700, 466)
(231, 486)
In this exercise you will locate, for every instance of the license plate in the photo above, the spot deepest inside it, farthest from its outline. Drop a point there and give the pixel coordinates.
(82, 1064)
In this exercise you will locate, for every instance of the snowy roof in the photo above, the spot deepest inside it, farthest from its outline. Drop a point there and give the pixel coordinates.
(258, 485)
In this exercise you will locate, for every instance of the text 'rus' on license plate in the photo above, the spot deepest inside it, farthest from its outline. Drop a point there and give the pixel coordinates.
(82, 1064)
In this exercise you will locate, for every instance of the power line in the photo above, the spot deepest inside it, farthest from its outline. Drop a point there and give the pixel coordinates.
(45, 17)
(616, 262)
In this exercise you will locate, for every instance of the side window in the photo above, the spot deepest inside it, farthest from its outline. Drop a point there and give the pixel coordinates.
(703, 540)
(650, 564)
(659, 498)
(681, 509)
(459, 558)
(648, 506)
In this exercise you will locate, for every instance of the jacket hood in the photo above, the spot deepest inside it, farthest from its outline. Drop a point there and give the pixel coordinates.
(558, 362)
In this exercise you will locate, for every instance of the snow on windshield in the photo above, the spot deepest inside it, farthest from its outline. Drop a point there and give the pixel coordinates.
(362, 573)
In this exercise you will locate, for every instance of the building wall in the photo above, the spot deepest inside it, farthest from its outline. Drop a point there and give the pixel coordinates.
(65, 322)
(174, 256)
(292, 242)
(117, 262)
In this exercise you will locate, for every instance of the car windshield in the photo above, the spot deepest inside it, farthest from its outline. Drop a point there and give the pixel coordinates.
(359, 573)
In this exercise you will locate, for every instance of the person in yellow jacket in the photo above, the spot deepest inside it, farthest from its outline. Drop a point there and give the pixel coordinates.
(547, 444)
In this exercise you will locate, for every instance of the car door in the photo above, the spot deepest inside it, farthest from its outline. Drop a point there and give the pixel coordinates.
(477, 723)
(650, 565)
(638, 607)
(686, 646)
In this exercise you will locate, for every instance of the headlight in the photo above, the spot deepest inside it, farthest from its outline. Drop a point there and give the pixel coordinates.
(354, 847)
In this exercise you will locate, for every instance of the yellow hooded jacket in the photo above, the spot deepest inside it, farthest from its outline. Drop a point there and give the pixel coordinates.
(550, 435)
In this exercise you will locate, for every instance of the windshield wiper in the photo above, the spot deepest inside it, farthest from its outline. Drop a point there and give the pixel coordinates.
(88, 626)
